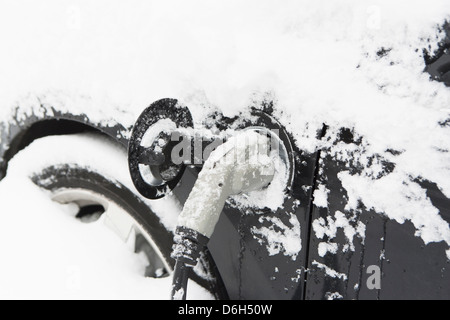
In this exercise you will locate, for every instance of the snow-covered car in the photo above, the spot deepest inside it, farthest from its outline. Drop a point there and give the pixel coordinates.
(356, 94)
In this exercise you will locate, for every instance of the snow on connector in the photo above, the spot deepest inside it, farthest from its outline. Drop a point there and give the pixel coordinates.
(240, 165)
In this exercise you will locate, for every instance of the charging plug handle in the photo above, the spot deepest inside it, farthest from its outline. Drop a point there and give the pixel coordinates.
(242, 164)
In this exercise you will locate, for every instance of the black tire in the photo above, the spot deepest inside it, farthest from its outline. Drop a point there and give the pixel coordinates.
(70, 175)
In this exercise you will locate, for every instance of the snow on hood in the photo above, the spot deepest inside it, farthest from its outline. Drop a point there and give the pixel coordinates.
(350, 63)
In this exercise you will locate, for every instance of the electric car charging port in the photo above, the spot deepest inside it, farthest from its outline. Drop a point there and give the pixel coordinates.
(251, 157)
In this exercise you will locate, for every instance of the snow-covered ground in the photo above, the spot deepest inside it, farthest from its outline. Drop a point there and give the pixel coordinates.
(351, 63)
(48, 254)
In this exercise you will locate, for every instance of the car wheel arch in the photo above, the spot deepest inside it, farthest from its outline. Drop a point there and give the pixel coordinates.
(15, 136)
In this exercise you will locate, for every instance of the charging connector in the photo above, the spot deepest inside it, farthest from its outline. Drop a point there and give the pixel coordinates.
(240, 165)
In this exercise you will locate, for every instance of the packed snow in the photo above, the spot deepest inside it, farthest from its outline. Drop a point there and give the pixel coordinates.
(351, 228)
(328, 271)
(351, 63)
(286, 240)
(321, 196)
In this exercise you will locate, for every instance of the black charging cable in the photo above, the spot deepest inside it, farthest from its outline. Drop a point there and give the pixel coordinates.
(186, 251)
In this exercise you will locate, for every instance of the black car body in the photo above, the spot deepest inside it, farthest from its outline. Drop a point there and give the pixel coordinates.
(406, 268)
